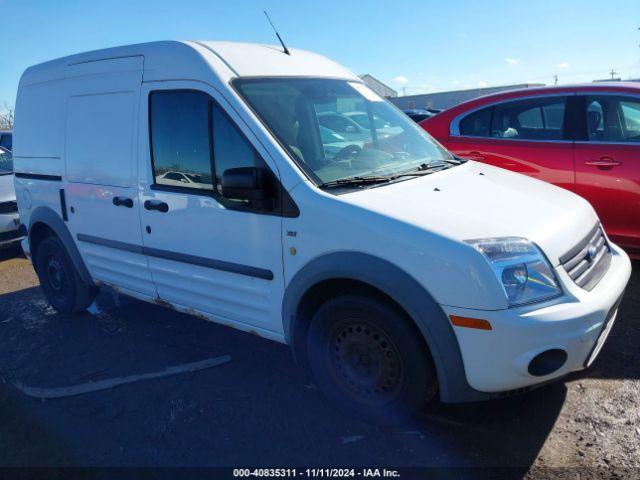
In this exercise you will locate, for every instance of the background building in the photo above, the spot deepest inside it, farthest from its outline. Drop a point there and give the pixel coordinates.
(377, 86)
(444, 100)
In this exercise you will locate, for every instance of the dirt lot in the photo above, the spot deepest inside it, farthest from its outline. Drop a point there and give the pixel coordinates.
(259, 409)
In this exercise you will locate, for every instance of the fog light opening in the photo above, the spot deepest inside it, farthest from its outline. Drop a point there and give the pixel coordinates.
(547, 362)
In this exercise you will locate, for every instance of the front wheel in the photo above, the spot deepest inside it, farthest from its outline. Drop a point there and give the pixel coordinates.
(369, 360)
(59, 279)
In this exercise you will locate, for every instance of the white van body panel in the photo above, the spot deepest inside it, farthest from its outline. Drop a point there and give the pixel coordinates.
(468, 202)
(93, 122)
(199, 226)
(250, 60)
(98, 104)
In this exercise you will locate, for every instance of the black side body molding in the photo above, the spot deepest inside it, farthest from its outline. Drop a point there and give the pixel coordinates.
(181, 257)
(37, 176)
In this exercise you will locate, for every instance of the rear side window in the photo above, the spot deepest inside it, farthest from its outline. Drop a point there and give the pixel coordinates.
(180, 139)
(477, 124)
(531, 119)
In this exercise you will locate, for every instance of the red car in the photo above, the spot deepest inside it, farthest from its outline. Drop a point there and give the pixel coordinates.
(584, 138)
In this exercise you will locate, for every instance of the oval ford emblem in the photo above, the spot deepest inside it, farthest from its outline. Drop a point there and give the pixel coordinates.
(592, 251)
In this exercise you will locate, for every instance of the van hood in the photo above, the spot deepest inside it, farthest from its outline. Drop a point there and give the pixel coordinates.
(476, 201)
(7, 190)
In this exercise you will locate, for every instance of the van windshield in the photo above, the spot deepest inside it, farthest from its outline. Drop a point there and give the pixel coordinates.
(339, 129)
(6, 162)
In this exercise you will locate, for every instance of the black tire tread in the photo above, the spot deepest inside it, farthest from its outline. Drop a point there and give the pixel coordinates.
(417, 389)
(81, 295)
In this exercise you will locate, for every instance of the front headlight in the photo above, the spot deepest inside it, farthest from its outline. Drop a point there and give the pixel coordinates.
(521, 268)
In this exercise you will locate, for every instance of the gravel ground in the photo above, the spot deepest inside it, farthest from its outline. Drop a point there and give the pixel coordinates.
(261, 410)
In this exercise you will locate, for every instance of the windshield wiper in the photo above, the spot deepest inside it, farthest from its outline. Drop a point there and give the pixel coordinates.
(456, 160)
(423, 169)
(354, 181)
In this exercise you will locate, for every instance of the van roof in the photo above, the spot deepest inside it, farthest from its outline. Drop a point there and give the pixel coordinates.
(192, 59)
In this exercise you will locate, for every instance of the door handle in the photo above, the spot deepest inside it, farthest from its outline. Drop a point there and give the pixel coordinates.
(475, 156)
(156, 205)
(122, 202)
(603, 163)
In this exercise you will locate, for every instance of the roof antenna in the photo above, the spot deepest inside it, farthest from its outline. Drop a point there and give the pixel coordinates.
(286, 50)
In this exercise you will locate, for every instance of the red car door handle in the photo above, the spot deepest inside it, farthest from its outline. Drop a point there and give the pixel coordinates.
(603, 162)
(475, 156)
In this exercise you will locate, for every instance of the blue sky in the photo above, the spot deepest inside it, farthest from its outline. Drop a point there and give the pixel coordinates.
(418, 45)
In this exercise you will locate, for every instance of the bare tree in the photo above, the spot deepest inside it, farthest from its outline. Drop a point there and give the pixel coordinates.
(6, 116)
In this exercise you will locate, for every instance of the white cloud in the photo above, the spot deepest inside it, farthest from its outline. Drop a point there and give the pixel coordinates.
(402, 80)
(512, 61)
(456, 82)
(482, 84)
(428, 88)
(563, 65)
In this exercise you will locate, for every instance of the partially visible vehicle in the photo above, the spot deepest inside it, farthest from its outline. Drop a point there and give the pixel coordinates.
(10, 233)
(334, 143)
(382, 125)
(585, 138)
(6, 139)
(344, 126)
(418, 115)
(186, 179)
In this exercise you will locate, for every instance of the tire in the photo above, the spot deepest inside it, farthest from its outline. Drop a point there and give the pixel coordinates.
(59, 279)
(370, 360)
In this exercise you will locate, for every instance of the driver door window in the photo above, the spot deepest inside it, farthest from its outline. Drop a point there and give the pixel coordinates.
(193, 142)
(180, 139)
(230, 148)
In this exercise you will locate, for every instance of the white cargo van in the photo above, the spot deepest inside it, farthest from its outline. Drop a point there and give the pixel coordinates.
(195, 175)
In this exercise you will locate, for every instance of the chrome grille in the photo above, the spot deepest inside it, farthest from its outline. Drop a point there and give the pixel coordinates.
(589, 260)
(9, 207)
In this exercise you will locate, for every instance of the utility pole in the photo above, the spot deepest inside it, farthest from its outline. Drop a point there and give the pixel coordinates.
(555, 78)
(613, 74)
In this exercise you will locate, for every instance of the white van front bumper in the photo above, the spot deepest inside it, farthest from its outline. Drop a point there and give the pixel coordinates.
(499, 359)
(9, 229)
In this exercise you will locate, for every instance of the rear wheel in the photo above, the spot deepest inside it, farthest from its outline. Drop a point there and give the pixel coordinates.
(369, 360)
(59, 279)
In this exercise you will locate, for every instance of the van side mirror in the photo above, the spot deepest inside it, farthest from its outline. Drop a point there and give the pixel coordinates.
(244, 183)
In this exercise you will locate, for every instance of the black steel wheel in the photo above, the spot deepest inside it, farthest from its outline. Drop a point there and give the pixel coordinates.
(59, 279)
(370, 360)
